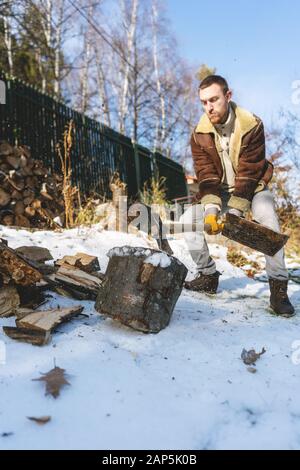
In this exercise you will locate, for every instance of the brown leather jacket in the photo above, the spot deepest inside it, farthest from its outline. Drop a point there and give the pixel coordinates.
(247, 152)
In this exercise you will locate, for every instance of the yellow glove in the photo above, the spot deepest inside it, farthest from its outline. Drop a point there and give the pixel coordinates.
(211, 224)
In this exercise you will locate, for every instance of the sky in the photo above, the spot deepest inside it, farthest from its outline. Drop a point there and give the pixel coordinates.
(254, 44)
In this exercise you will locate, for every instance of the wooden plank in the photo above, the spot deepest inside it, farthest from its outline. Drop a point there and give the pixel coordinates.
(47, 320)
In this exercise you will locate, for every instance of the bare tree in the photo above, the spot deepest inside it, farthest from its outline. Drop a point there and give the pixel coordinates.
(102, 86)
(160, 132)
(6, 16)
(131, 31)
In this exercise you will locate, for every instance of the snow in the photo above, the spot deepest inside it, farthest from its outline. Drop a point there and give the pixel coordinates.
(159, 259)
(184, 388)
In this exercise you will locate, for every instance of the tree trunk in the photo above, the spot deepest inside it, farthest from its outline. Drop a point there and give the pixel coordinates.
(141, 288)
(130, 42)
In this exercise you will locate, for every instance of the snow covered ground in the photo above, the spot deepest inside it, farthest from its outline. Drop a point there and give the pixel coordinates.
(185, 388)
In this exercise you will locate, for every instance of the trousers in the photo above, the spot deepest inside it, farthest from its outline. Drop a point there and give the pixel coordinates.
(263, 212)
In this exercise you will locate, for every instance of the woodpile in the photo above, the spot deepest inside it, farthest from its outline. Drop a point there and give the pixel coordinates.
(139, 289)
(30, 195)
(25, 277)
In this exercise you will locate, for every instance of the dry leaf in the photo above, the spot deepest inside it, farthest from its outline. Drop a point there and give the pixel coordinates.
(55, 379)
(40, 420)
(250, 357)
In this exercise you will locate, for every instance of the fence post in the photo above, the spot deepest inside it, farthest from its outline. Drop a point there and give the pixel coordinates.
(137, 166)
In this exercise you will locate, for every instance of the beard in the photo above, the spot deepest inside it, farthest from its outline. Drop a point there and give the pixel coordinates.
(218, 117)
(215, 118)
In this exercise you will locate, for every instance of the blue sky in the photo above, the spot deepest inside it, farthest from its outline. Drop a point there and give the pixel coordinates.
(254, 44)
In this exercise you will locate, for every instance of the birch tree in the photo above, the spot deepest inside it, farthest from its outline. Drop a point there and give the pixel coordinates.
(160, 129)
(130, 27)
(6, 16)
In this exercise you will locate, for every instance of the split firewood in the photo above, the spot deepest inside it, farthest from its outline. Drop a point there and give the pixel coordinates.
(75, 282)
(26, 335)
(82, 261)
(35, 253)
(28, 181)
(19, 207)
(22, 312)
(21, 221)
(31, 296)
(4, 198)
(48, 320)
(14, 161)
(9, 301)
(37, 256)
(17, 267)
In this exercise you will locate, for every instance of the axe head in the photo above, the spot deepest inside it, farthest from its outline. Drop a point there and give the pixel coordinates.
(253, 235)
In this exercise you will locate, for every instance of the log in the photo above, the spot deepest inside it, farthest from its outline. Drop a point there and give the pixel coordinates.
(35, 253)
(29, 181)
(16, 195)
(31, 296)
(254, 235)
(19, 208)
(9, 301)
(23, 161)
(22, 221)
(4, 198)
(141, 288)
(6, 149)
(13, 161)
(30, 211)
(17, 267)
(26, 335)
(48, 320)
(8, 219)
(25, 151)
(82, 261)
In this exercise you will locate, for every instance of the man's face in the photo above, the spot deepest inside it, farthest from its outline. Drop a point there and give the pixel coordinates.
(215, 103)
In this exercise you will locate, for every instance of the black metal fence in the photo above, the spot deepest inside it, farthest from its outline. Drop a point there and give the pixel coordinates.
(32, 118)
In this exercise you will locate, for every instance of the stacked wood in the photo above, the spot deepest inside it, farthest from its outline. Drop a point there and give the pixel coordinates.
(82, 261)
(23, 285)
(75, 283)
(30, 195)
(37, 255)
(141, 288)
(15, 267)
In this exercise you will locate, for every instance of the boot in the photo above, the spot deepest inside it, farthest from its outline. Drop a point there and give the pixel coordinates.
(279, 300)
(204, 283)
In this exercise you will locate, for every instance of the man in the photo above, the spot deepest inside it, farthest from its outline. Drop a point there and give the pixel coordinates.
(228, 148)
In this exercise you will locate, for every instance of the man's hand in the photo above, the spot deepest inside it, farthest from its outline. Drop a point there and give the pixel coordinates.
(211, 224)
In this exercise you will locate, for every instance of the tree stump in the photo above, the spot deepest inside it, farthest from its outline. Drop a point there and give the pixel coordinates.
(141, 288)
